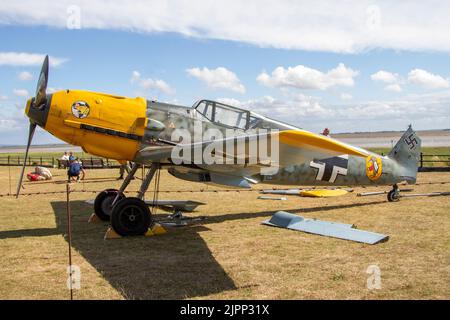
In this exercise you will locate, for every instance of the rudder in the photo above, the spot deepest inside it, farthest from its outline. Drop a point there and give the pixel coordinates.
(407, 152)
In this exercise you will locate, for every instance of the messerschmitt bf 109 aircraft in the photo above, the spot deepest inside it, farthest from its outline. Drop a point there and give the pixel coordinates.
(245, 148)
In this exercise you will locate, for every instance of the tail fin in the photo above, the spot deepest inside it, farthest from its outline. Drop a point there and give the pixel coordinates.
(406, 153)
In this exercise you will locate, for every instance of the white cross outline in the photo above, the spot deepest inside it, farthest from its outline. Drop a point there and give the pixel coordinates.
(336, 170)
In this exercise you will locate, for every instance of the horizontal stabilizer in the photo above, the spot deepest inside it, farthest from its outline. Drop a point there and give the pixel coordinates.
(338, 230)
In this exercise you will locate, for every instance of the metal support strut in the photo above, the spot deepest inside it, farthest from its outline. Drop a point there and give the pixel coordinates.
(126, 182)
(148, 178)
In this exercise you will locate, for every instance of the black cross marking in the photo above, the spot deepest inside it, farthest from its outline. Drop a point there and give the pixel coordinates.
(411, 141)
(328, 169)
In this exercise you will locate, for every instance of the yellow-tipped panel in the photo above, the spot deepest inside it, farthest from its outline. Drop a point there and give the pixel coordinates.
(309, 140)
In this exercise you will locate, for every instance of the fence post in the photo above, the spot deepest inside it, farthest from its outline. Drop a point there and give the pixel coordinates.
(421, 159)
(8, 160)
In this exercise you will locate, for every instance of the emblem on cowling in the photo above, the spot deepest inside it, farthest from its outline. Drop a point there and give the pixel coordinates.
(80, 109)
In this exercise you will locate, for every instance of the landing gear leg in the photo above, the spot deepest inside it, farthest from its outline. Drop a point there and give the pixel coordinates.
(107, 199)
(131, 216)
(125, 183)
(148, 178)
(394, 194)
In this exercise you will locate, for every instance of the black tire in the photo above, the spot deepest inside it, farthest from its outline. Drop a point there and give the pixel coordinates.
(393, 196)
(131, 217)
(102, 203)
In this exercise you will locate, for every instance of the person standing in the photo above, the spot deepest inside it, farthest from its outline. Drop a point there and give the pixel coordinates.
(125, 167)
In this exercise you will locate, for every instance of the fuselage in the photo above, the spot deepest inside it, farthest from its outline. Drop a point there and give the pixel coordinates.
(118, 128)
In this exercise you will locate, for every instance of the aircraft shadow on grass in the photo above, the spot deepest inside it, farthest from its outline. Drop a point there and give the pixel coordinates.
(176, 265)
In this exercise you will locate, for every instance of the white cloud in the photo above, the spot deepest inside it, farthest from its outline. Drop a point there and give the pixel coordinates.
(27, 59)
(344, 26)
(346, 96)
(302, 77)
(393, 80)
(219, 78)
(427, 79)
(149, 83)
(419, 77)
(384, 76)
(13, 124)
(53, 90)
(395, 87)
(7, 125)
(25, 76)
(21, 92)
(427, 111)
(292, 110)
(3, 97)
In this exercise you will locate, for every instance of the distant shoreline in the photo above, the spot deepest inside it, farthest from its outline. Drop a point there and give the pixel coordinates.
(41, 148)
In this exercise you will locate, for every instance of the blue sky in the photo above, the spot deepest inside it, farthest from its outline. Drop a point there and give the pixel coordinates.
(312, 83)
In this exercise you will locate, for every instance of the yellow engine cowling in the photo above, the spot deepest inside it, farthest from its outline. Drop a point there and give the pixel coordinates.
(104, 125)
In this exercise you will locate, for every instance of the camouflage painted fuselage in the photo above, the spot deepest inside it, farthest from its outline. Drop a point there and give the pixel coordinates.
(297, 166)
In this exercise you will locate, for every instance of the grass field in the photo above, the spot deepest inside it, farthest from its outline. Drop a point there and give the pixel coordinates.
(231, 255)
(433, 156)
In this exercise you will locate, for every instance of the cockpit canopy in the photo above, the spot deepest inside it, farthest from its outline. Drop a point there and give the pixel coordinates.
(226, 115)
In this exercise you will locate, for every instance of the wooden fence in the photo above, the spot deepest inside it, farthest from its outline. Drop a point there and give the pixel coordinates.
(434, 162)
(53, 162)
(426, 162)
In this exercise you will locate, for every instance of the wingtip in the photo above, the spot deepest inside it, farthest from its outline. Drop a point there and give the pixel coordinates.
(305, 138)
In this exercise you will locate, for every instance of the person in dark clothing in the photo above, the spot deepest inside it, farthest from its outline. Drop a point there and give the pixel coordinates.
(126, 167)
(74, 170)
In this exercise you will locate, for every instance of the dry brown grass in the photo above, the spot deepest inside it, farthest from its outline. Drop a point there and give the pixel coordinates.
(231, 255)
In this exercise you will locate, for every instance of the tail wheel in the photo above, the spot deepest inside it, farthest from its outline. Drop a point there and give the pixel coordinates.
(393, 196)
(103, 203)
(131, 217)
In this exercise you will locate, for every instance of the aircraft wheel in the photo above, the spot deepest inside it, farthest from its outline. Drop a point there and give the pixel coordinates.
(393, 196)
(103, 201)
(131, 217)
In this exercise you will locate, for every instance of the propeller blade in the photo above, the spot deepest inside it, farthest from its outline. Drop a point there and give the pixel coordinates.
(30, 137)
(41, 95)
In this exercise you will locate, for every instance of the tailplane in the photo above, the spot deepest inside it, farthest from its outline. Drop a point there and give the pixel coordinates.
(406, 153)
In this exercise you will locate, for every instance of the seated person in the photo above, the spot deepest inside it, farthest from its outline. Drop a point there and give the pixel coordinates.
(75, 168)
(64, 160)
(39, 174)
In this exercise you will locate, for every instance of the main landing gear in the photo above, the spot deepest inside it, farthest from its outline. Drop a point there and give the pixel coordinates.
(128, 216)
(103, 203)
(394, 194)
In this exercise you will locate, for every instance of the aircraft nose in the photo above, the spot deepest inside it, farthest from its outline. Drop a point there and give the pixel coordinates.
(39, 114)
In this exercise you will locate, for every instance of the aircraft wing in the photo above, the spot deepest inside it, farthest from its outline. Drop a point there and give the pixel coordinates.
(283, 148)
